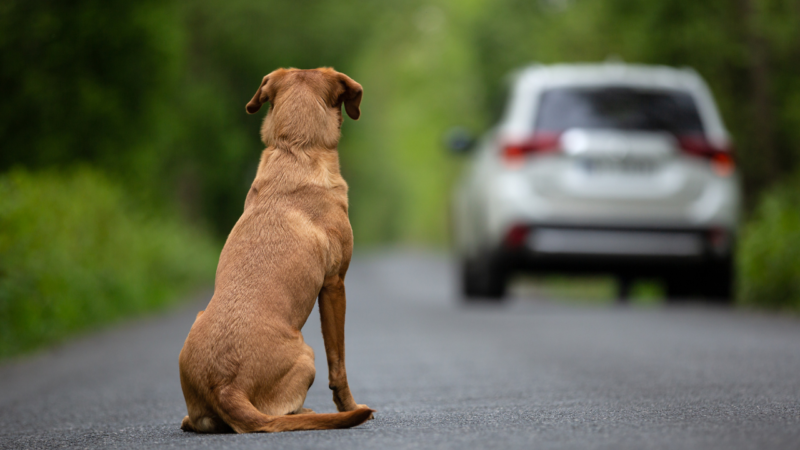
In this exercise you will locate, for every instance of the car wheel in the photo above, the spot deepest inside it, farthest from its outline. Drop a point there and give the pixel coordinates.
(713, 284)
(482, 280)
(719, 283)
(681, 287)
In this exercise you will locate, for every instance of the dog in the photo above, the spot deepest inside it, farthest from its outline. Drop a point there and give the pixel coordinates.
(244, 366)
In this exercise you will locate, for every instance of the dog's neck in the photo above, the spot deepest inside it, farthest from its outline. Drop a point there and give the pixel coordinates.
(301, 133)
(282, 170)
(304, 122)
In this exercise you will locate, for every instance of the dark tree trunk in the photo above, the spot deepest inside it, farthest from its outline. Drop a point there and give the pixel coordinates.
(762, 108)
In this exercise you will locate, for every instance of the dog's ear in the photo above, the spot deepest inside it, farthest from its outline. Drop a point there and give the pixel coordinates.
(351, 97)
(260, 98)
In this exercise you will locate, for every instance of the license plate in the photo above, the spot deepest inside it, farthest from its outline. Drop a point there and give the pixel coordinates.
(628, 166)
(614, 242)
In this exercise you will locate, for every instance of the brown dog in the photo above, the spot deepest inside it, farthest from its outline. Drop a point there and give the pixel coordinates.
(244, 365)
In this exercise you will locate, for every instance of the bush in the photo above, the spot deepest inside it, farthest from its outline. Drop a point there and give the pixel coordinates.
(75, 254)
(769, 254)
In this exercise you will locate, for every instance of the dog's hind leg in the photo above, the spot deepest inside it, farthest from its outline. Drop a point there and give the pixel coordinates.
(187, 425)
(305, 374)
(205, 424)
(293, 387)
(201, 418)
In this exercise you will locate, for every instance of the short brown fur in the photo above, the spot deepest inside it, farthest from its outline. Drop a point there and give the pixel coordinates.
(244, 366)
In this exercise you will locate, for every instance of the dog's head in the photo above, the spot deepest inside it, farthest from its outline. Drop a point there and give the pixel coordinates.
(306, 106)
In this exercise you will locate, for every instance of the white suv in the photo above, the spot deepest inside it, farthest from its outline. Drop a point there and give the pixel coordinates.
(602, 168)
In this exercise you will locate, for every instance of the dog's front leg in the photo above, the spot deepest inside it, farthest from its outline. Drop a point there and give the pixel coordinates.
(332, 305)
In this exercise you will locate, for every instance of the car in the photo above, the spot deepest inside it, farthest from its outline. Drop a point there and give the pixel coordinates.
(609, 168)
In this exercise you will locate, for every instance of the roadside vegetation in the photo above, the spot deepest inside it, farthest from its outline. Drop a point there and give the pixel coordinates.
(75, 253)
(150, 96)
(769, 253)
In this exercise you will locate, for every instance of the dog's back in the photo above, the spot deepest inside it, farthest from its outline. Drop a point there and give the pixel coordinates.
(245, 365)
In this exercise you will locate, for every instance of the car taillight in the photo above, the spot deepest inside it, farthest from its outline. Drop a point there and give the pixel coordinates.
(516, 236)
(721, 159)
(720, 240)
(516, 152)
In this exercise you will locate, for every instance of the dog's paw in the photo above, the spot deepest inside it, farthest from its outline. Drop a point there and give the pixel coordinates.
(372, 414)
(186, 424)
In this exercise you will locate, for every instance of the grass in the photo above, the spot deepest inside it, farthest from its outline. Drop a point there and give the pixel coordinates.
(769, 252)
(599, 290)
(75, 254)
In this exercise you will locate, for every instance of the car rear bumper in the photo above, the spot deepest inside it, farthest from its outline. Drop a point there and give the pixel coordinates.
(570, 241)
(646, 252)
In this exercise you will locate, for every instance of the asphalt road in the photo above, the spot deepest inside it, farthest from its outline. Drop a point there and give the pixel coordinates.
(530, 374)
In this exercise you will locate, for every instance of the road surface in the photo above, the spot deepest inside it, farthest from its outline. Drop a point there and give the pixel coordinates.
(530, 374)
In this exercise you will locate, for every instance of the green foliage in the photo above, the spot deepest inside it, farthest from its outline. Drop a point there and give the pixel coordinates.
(81, 78)
(230, 46)
(746, 50)
(74, 254)
(418, 83)
(153, 92)
(769, 253)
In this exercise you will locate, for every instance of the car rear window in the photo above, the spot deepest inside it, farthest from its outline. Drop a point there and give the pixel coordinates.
(618, 108)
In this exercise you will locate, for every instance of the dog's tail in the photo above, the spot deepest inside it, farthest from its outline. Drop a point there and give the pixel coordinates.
(243, 417)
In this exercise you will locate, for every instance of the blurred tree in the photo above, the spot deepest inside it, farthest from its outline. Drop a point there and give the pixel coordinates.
(418, 69)
(747, 51)
(231, 45)
(153, 91)
(79, 78)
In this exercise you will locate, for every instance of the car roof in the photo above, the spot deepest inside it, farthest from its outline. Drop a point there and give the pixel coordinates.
(608, 73)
